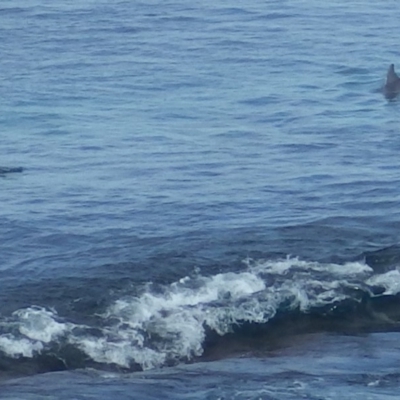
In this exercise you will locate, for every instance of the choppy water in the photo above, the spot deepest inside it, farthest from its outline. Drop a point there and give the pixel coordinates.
(209, 200)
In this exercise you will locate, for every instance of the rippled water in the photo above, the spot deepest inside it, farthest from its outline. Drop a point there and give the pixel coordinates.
(210, 192)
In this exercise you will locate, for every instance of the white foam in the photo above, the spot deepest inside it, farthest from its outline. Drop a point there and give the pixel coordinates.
(389, 280)
(175, 320)
(17, 347)
(315, 293)
(136, 311)
(122, 353)
(37, 327)
(39, 324)
(282, 267)
(156, 328)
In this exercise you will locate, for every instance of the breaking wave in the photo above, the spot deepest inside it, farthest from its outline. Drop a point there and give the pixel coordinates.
(190, 318)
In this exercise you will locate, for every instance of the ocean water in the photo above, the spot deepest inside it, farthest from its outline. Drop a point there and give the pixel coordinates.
(209, 200)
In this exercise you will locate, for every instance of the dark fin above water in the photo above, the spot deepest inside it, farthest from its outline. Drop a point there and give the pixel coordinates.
(8, 170)
(392, 85)
(391, 75)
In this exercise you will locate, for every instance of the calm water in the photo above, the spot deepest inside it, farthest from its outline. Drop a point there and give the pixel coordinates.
(209, 206)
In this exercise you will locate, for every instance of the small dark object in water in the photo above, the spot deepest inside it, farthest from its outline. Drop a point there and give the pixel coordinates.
(7, 170)
(392, 84)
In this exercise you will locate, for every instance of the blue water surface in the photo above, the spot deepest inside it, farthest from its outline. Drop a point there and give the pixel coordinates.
(165, 139)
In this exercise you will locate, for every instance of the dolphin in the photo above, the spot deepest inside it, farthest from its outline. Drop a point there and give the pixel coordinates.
(8, 170)
(392, 85)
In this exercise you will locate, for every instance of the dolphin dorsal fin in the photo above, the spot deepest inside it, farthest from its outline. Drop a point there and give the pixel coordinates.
(391, 75)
